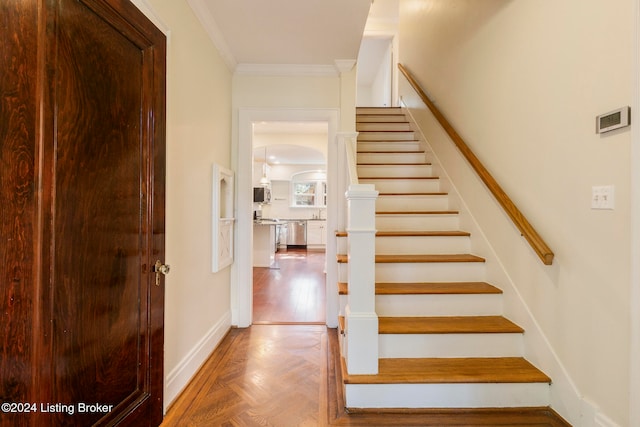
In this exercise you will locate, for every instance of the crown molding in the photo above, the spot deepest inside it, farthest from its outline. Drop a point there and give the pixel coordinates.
(345, 65)
(210, 26)
(300, 70)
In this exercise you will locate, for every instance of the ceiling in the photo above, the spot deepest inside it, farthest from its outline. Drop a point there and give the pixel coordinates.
(295, 36)
(284, 32)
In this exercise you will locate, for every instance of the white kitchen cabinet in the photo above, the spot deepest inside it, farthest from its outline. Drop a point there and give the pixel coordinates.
(264, 244)
(316, 234)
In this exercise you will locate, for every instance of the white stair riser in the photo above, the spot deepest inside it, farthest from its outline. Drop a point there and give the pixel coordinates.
(450, 345)
(391, 158)
(382, 111)
(447, 395)
(430, 272)
(373, 118)
(412, 203)
(404, 185)
(396, 126)
(394, 170)
(404, 245)
(434, 305)
(423, 272)
(417, 222)
(415, 245)
(342, 303)
(439, 305)
(386, 136)
(387, 146)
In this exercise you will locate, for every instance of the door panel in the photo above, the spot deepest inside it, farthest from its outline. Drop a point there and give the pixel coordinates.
(86, 187)
(99, 307)
(102, 181)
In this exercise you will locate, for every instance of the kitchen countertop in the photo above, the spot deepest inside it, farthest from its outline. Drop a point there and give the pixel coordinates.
(267, 221)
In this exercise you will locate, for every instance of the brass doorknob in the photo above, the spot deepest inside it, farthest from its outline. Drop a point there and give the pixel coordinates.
(160, 268)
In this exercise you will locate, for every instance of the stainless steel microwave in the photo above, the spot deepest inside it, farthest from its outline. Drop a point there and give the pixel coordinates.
(261, 195)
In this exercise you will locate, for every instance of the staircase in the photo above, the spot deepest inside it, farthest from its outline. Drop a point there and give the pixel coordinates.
(443, 342)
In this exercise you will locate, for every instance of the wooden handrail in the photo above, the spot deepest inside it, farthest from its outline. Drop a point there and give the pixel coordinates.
(527, 230)
(352, 160)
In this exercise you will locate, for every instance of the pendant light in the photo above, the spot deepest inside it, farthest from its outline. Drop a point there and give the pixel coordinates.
(264, 181)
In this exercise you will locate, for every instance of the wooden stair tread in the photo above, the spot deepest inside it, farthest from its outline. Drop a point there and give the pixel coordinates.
(341, 325)
(390, 141)
(413, 194)
(389, 152)
(436, 288)
(390, 123)
(435, 233)
(410, 233)
(421, 258)
(382, 115)
(343, 288)
(386, 131)
(447, 325)
(396, 164)
(385, 178)
(417, 212)
(428, 288)
(450, 371)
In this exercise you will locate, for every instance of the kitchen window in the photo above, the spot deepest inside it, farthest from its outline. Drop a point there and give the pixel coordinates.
(309, 189)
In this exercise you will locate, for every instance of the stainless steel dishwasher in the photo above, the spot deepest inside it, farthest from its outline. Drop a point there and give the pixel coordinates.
(296, 233)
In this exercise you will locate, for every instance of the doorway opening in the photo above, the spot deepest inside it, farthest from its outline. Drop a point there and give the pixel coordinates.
(289, 230)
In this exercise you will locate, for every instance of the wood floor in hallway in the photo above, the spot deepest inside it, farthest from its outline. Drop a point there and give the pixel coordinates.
(281, 372)
(294, 291)
(286, 376)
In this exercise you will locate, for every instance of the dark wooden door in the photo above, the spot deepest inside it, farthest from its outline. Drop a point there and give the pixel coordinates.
(89, 347)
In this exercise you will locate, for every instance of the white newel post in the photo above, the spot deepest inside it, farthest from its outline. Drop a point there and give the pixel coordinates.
(360, 315)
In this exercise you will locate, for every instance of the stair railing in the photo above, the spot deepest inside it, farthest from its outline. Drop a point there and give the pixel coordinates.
(361, 320)
(351, 151)
(528, 232)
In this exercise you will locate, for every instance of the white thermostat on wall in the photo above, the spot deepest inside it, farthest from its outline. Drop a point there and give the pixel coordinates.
(613, 120)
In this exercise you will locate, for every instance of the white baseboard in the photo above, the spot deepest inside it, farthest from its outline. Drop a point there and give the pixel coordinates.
(179, 377)
(590, 415)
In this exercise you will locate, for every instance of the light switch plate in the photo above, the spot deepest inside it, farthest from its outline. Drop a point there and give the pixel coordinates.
(602, 197)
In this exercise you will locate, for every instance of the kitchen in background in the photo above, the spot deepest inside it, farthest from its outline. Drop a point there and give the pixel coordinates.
(289, 178)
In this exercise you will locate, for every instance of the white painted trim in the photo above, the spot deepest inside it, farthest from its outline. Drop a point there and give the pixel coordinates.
(602, 420)
(345, 65)
(287, 70)
(241, 273)
(210, 26)
(475, 395)
(634, 291)
(149, 12)
(590, 416)
(179, 377)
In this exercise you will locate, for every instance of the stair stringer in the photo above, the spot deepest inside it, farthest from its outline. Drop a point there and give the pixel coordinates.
(565, 396)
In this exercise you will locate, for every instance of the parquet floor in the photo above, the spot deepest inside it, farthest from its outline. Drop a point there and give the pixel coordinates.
(283, 373)
(286, 376)
(293, 292)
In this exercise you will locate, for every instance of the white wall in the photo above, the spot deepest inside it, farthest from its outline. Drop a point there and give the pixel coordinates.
(381, 87)
(522, 81)
(198, 135)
